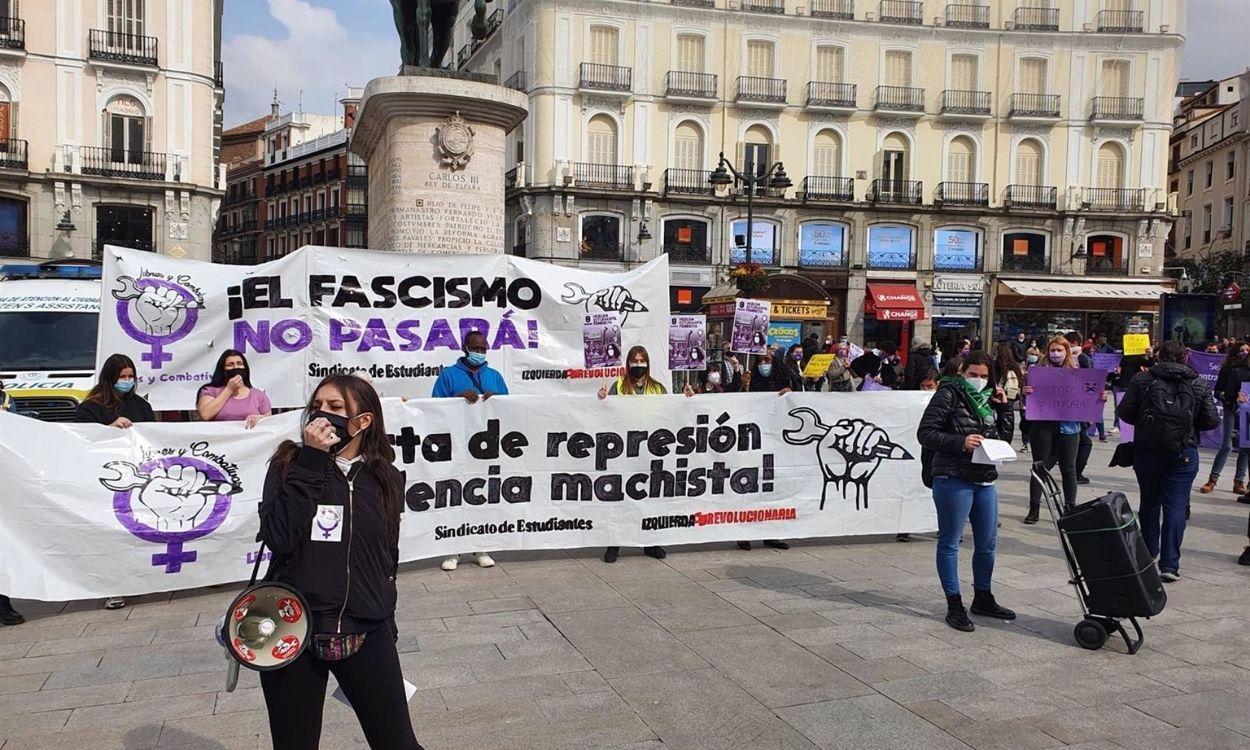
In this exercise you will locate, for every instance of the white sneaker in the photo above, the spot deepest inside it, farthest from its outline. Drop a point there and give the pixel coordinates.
(450, 563)
(484, 560)
(1169, 576)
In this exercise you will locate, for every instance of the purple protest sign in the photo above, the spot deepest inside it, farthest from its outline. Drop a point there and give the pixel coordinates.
(872, 385)
(1105, 360)
(601, 339)
(687, 342)
(1206, 365)
(750, 327)
(1062, 394)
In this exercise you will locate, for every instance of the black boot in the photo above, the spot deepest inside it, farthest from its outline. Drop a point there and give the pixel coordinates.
(744, 546)
(1031, 518)
(656, 552)
(610, 554)
(956, 615)
(776, 544)
(8, 615)
(983, 604)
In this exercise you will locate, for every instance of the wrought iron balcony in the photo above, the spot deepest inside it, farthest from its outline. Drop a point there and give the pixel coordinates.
(518, 81)
(1121, 21)
(596, 77)
(1032, 196)
(972, 103)
(357, 176)
(816, 188)
(509, 178)
(681, 84)
(910, 12)
(1042, 106)
(696, 3)
(1106, 266)
(356, 211)
(1118, 108)
(967, 16)
(113, 46)
(688, 255)
(761, 90)
(603, 250)
(12, 33)
(687, 182)
(1030, 263)
(603, 176)
(896, 192)
(821, 259)
(494, 21)
(462, 56)
(136, 165)
(764, 6)
(900, 99)
(1036, 19)
(823, 95)
(842, 10)
(1114, 199)
(963, 193)
(13, 153)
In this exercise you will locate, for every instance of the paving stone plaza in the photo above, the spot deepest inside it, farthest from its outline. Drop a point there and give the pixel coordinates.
(832, 645)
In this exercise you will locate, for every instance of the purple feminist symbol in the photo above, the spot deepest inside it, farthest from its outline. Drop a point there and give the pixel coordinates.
(171, 501)
(166, 312)
(333, 518)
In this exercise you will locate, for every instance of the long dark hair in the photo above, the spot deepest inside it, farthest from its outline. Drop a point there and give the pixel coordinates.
(375, 449)
(1233, 350)
(1006, 363)
(103, 392)
(627, 383)
(219, 373)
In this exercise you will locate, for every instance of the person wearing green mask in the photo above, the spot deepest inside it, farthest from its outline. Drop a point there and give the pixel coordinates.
(958, 418)
(115, 402)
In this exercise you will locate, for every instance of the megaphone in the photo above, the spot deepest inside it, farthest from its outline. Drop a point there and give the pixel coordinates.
(265, 628)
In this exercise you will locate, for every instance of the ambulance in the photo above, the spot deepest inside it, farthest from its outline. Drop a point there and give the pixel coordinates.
(49, 313)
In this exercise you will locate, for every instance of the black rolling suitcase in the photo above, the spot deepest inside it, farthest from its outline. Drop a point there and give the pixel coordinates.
(1114, 575)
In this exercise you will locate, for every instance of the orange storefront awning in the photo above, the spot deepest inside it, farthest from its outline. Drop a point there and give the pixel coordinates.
(895, 302)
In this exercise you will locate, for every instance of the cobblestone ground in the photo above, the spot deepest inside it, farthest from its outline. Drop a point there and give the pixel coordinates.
(827, 645)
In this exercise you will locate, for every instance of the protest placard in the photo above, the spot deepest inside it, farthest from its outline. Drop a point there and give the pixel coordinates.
(750, 326)
(1065, 394)
(687, 342)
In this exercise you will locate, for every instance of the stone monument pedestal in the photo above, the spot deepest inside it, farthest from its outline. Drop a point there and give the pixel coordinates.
(435, 146)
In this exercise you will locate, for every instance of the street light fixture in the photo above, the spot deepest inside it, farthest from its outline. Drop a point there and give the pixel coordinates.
(774, 177)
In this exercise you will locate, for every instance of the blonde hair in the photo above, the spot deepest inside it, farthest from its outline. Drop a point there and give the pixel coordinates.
(1068, 361)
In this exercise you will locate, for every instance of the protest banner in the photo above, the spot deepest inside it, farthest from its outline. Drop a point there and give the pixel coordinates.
(1108, 361)
(1206, 365)
(1065, 394)
(750, 326)
(1136, 343)
(93, 511)
(399, 317)
(687, 342)
(818, 365)
(601, 340)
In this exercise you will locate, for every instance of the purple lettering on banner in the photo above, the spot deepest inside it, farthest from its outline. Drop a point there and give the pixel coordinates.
(376, 336)
(442, 335)
(343, 331)
(1105, 360)
(469, 325)
(1062, 394)
(257, 337)
(409, 333)
(303, 335)
(1206, 365)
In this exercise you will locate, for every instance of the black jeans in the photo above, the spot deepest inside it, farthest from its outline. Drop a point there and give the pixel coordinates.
(1084, 448)
(295, 696)
(1052, 448)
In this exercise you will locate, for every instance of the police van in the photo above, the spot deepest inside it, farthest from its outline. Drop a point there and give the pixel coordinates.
(49, 313)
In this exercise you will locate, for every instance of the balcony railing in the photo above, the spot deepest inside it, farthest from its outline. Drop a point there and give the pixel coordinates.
(357, 176)
(696, 3)
(834, 95)
(688, 255)
(900, 98)
(116, 47)
(897, 192)
(12, 33)
(687, 182)
(764, 6)
(1031, 263)
(963, 193)
(1034, 105)
(509, 178)
(842, 10)
(1114, 199)
(902, 11)
(356, 211)
(967, 16)
(598, 77)
(137, 165)
(1036, 19)
(13, 153)
(1106, 266)
(692, 85)
(828, 189)
(1032, 196)
(821, 259)
(518, 81)
(1121, 21)
(494, 21)
(609, 251)
(603, 176)
(1118, 108)
(463, 55)
(958, 102)
(768, 90)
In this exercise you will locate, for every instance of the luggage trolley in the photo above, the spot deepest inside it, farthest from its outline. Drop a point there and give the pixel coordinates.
(1114, 575)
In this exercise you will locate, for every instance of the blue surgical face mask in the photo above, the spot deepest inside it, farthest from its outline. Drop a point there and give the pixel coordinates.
(477, 359)
(1032, 358)
(766, 369)
(124, 386)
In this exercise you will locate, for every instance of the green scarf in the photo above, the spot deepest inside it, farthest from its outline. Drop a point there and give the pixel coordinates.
(980, 400)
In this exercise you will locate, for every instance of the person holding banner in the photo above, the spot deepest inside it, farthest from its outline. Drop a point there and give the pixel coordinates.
(345, 466)
(471, 379)
(636, 381)
(1055, 442)
(230, 395)
(768, 377)
(114, 402)
(958, 418)
(1234, 372)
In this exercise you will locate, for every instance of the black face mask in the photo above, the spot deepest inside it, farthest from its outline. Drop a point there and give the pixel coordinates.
(339, 423)
(240, 371)
(637, 372)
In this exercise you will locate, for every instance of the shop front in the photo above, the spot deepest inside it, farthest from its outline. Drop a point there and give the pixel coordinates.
(798, 308)
(889, 312)
(1045, 308)
(958, 305)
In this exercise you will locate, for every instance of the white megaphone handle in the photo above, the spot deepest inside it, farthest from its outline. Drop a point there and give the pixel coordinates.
(232, 674)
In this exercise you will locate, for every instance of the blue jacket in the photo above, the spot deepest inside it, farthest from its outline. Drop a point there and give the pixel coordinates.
(459, 378)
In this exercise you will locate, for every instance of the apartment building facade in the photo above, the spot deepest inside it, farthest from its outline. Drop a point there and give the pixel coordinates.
(982, 167)
(110, 116)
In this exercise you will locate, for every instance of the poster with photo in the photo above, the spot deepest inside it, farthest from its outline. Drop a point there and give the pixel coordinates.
(750, 327)
(687, 342)
(601, 339)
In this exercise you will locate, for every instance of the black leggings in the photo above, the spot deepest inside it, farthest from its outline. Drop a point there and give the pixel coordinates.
(295, 696)
(1052, 448)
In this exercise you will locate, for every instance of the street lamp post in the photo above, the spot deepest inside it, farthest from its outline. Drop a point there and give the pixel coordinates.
(775, 177)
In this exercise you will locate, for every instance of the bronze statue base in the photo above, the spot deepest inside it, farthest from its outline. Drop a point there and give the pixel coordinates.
(417, 70)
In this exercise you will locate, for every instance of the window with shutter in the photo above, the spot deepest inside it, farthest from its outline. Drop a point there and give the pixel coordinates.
(1033, 76)
(959, 161)
(1110, 166)
(1118, 4)
(1029, 163)
(1114, 78)
(687, 147)
(829, 64)
(827, 154)
(964, 72)
(898, 68)
(125, 16)
(690, 53)
(601, 141)
(894, 159)
(760, 59)
(604, 49)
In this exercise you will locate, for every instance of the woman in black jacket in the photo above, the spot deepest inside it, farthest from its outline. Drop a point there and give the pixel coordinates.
(1233, 373)
(958, 418)
(768, 376)
(330, 512)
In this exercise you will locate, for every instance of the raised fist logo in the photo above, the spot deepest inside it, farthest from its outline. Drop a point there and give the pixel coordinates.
(160, 308)
(850, 452)
(171, 498)
(612, 299)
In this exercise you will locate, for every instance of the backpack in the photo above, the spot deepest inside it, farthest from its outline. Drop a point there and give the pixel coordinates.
(1165, 418)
